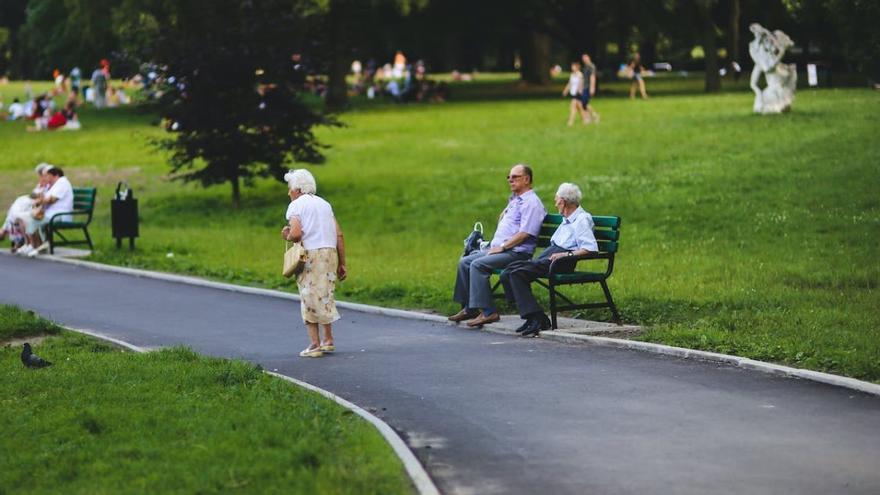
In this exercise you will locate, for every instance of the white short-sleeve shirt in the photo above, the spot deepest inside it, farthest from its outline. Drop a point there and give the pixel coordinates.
(317, 220)
(576, 232)
(63, 192)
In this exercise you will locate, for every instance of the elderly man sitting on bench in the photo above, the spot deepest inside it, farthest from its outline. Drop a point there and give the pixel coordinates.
(573, 237)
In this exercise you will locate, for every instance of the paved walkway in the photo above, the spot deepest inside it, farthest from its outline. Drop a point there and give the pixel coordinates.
(490, 413)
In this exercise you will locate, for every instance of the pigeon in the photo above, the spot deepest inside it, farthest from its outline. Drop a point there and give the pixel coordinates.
(31, 360)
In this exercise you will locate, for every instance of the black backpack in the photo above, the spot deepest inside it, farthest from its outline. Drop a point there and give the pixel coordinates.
(472, 242)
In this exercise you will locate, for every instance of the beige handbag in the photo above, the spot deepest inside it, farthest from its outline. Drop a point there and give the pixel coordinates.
(294, 259)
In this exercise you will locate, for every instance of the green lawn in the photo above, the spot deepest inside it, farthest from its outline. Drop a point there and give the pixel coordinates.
(755, 236)
(104, 421)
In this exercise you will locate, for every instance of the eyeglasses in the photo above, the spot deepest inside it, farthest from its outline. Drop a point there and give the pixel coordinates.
(512, 177)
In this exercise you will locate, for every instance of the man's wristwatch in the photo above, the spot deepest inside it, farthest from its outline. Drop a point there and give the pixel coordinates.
(571, 253)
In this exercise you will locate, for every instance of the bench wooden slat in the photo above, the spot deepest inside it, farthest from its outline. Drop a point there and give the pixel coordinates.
(607, 246)
(607, 221)
(606, 235)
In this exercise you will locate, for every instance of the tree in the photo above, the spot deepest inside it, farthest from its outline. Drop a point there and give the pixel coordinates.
(733, 27)
(12, 17)
(705, 14)
(230, 101)
(62, 34)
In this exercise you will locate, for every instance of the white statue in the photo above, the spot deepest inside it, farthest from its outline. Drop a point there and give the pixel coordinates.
(767, 50)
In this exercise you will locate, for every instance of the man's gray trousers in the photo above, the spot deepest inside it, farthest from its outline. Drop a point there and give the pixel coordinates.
(472, 289)
(517, 280)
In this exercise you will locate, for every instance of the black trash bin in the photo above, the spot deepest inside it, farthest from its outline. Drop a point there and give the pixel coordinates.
(124, 215)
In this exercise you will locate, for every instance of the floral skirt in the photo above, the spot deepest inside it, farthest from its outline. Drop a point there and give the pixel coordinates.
(317, 284)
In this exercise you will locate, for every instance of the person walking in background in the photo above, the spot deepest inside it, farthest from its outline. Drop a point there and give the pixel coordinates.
(589, 70)
(515, 240)
(311, 221)
(75, 79)
(573, 237)
(99, 88)
(574, 89)
(636, 73)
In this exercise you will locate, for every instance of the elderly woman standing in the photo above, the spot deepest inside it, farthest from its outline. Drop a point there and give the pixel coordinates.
(311, 221)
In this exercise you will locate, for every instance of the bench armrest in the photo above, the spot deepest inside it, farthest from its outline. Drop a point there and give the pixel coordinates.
(554, 269)
(73, 212)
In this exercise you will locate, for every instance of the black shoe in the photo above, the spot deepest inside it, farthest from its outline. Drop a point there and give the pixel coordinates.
(545, 322)
(532, 329)
(524, 325)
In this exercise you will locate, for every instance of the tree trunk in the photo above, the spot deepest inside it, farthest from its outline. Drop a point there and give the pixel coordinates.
(584, 32)
(337, 87)
(648, 52)
(733, 36)
(710, 46)
(535, 66)
(236, 192)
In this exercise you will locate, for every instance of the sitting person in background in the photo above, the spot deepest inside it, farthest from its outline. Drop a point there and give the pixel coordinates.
(16, 110)
(58, 199)
(21, 209)
(40, 105)
(123, 96)
(69, 113)
(573, 237)
(112, 97)
(56, 121)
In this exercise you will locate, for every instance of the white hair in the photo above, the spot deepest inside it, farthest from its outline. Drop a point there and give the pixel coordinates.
(569, 193)
(42, 168)
(302, 180)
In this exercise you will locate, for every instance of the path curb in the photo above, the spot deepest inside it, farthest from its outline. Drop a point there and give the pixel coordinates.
(563, 337)
(746, 363)
(414, 469)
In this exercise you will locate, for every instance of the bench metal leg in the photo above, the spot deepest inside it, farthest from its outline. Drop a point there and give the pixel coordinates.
(610, 302)
(88, 239)
(552, 307)
(49, 238)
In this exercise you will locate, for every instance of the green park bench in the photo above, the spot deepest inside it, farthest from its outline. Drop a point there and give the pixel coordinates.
(607, 232)
(83, 206)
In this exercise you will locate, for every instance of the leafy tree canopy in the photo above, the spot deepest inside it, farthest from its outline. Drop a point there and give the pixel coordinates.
(228, 92)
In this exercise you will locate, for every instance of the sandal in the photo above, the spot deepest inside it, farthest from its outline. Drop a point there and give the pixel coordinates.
(313, 352)
(327, 347)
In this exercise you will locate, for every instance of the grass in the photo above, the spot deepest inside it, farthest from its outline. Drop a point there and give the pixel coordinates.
(108, 421)
(16, 323)
(755, 236)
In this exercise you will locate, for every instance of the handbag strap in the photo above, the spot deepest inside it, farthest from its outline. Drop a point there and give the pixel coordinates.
(480, 225)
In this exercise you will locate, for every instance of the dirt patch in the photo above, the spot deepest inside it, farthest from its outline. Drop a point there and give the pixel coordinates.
(92, 177)
(19, 342)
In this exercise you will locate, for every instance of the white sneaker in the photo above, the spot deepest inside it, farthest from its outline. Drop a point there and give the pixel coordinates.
(43, 247)
(33, 253)
(312, 352)
(25, 250)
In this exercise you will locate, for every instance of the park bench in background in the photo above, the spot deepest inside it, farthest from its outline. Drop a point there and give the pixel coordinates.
(607, 232)
(83, 206)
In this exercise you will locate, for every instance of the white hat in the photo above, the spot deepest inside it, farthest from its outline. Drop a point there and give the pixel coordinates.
(43, 167)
